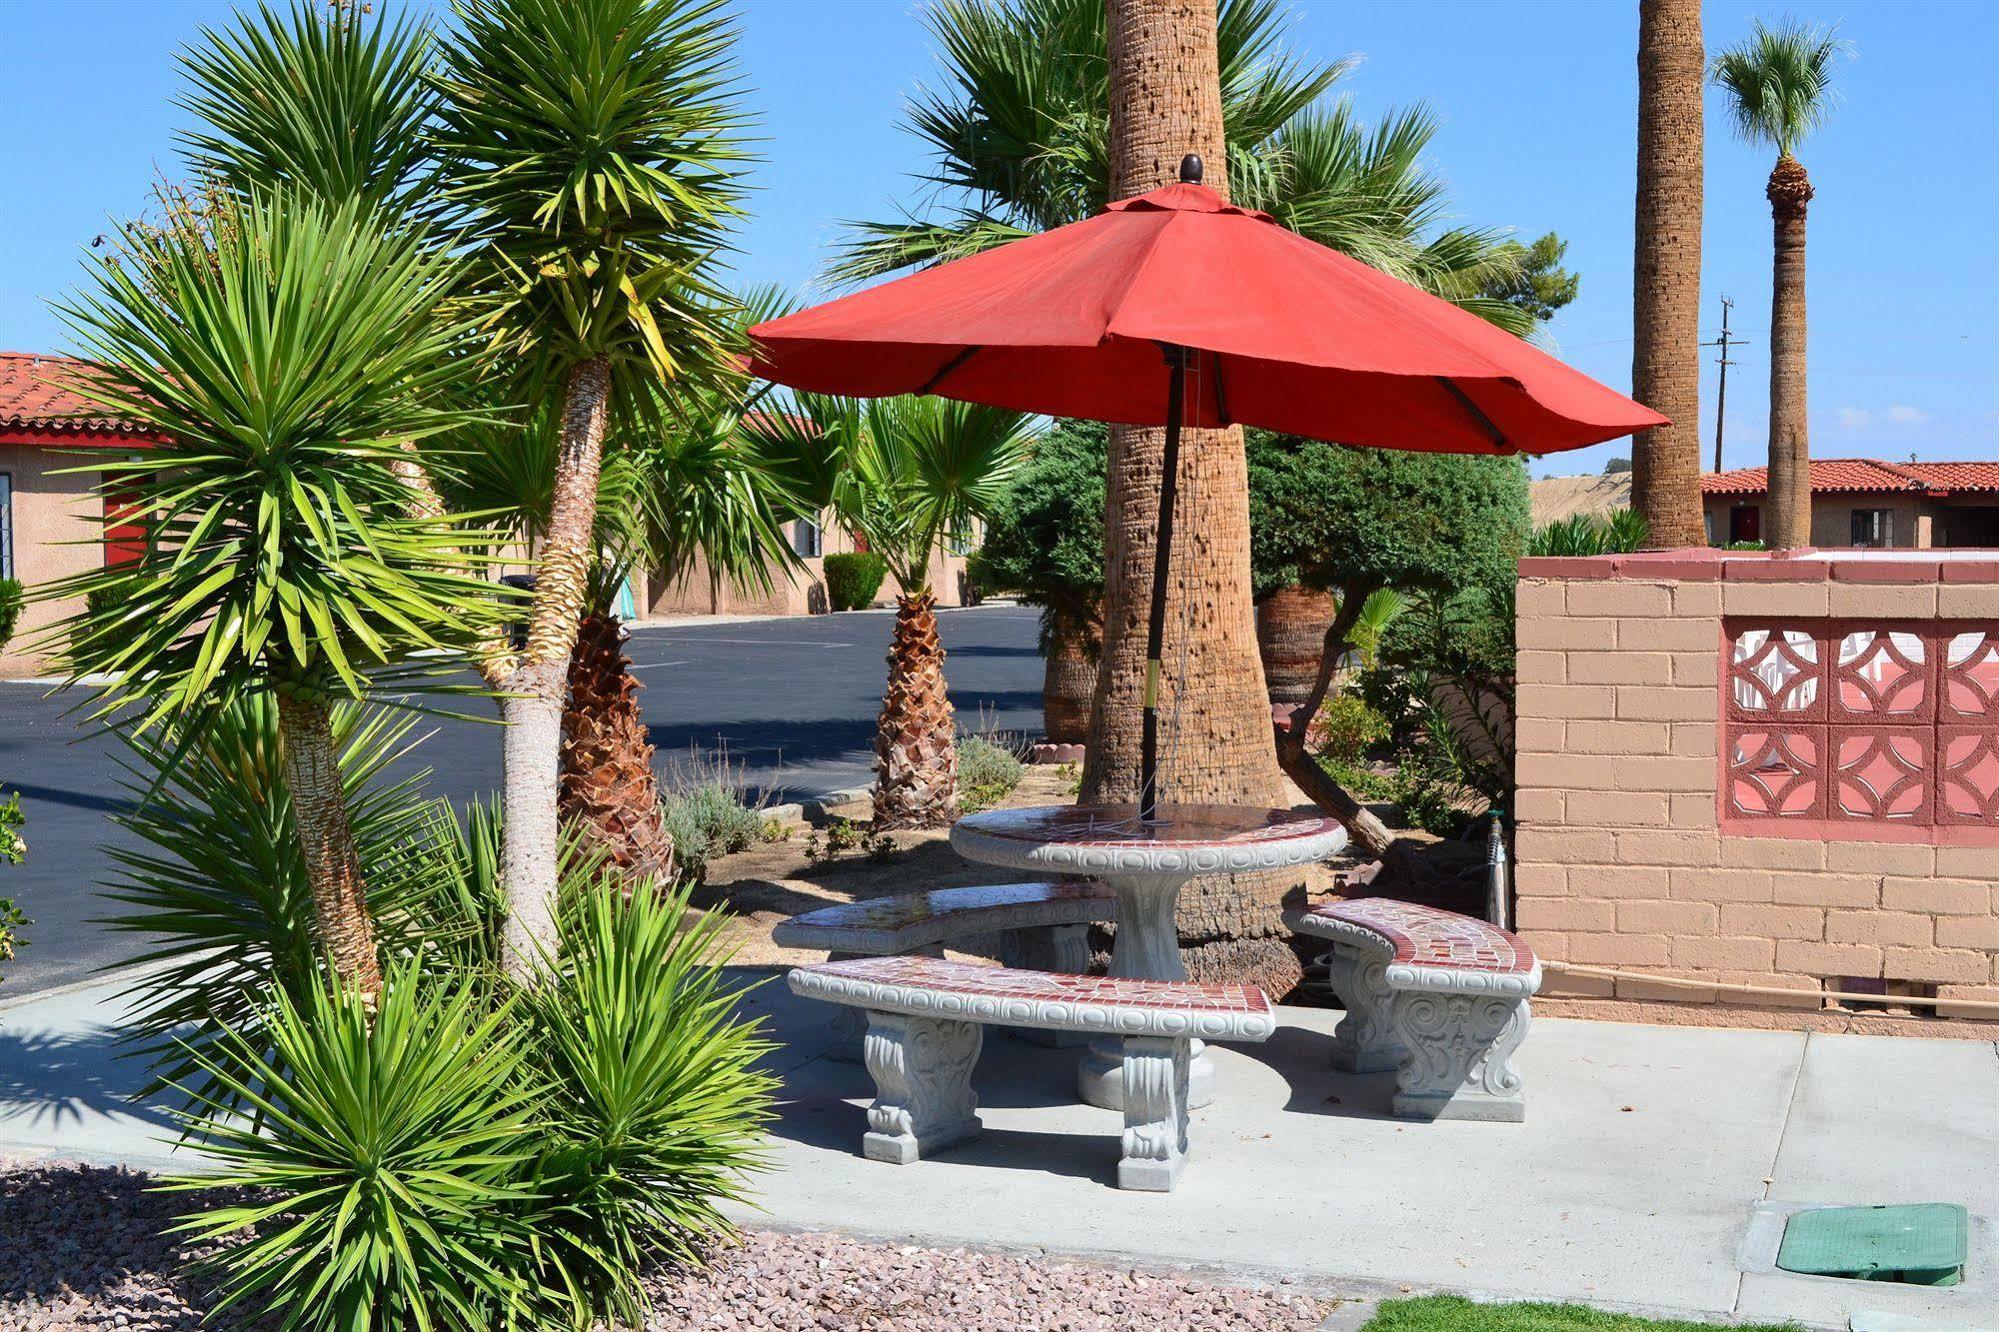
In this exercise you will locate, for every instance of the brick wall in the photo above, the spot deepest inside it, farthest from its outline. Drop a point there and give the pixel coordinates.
(1630, 856)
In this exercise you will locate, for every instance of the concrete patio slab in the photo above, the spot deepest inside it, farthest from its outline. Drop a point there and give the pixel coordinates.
(1646, 1152)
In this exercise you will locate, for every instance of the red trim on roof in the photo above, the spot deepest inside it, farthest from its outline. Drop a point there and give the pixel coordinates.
(1865, 475)
(39, 406)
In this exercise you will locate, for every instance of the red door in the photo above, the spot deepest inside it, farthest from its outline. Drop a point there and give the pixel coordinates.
(124, 532)
(1745, 523)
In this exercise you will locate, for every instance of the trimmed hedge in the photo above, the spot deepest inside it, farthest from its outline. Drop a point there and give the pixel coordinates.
(11, 595)
(853, 579)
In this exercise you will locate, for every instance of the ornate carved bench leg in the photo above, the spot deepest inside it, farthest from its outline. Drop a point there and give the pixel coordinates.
(922, 1069)
(1460, 1056)
(1155, 1113)
(848, 1027)
(1061, 948)
(1365, 1041)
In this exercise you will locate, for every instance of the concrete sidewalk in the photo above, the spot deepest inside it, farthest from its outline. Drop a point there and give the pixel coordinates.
(1654, 1171)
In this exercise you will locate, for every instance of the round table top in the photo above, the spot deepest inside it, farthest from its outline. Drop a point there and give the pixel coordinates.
(1112, 839)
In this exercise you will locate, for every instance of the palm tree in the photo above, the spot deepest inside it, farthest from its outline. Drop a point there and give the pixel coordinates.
(1019, 146)
(592, 149)
(280, 352)
(908, 474)
(1779, 85)
(1666, 287)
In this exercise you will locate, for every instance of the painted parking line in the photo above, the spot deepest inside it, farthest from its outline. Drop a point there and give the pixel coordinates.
(767, 642)
(658, 665)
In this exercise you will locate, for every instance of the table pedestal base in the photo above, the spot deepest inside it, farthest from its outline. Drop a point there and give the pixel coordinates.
(1147, 947)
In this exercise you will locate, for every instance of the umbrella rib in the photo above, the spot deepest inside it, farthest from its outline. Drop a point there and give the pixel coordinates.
(1464, 401)
(930, 384)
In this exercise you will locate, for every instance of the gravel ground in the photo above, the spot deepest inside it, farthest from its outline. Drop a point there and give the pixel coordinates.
(80, 1247)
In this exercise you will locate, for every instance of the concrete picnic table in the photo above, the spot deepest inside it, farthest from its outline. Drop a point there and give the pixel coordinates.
(1145, 863)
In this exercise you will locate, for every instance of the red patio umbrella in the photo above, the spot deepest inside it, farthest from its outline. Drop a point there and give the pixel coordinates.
(1175, 308)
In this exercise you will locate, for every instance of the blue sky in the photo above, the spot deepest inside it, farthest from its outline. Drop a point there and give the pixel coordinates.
(1537, 102)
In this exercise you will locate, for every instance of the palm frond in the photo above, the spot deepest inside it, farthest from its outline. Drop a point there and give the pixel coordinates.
(1779, 81)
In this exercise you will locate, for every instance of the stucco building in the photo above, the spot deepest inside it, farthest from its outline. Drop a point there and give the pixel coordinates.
(1867, 502)
(51, 515)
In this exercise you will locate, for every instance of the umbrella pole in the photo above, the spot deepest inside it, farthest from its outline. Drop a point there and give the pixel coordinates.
(1162, 559)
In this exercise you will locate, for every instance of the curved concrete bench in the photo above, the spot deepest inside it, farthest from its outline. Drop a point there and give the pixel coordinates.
(1438, 997)
(926, 1025)
(1042, 927)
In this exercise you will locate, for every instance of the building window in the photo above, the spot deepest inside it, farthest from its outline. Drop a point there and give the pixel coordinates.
(1745, 523)
(961, 541)
(1873, 527)
(805, 538)
(6, 524)
(1857, 731)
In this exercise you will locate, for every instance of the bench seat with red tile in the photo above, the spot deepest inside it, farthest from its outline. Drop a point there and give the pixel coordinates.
(926, 1026)
(1438, 997)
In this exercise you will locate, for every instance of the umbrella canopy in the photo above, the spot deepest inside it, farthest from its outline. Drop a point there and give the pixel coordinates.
(1284, 333)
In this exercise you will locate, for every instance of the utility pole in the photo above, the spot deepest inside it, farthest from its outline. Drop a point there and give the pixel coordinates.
(1725, 341)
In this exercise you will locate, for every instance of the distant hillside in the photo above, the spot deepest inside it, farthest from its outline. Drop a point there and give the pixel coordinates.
(1566, 496)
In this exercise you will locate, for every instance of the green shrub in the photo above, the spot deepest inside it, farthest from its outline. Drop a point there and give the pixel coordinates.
(391, 1160)
(853, 579)
(12, 594)
(656, 1101)
(1347, 728)
(103, 600)
(707, 813)
(987, 772)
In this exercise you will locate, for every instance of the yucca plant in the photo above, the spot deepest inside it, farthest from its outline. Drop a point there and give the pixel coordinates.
(216, 885)
(656, 1100)
(280, 357)
(592, 150)
(908, 474)
(390, 1151)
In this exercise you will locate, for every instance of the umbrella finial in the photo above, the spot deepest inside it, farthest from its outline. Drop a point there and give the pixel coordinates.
(1190, 169)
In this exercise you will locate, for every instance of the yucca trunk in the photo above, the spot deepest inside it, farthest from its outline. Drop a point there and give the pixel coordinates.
(1666, 277)
(1216, 741)
(326, 839)
(916, 753)
(532, 702)
(1069, 678)
(608, 786)
(1789, 522)
(1290, 635)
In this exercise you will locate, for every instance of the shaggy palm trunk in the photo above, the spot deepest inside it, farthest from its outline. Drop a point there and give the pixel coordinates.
(534, 684)
(326, 838)
(608, 786)
(1790, 517)
(1214, 710)
(1666, 271)
(1290, 634)
(916, 752)
(1069, 678)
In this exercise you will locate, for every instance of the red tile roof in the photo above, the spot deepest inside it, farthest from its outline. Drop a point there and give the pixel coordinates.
(37, 395)
(1863, 475)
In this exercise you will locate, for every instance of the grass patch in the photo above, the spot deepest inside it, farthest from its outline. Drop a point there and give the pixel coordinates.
(1448, 1313)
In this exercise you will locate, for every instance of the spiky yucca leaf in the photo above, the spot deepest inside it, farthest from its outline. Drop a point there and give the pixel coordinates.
(392, 1147)
(278, 365)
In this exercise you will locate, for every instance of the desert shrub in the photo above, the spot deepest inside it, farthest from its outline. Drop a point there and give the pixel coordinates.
(103, 600)
(1347, 728)
(853, 578)
(710, 810)
(391, 1160)
(12, 594)
(987, 772)
(655, 1100)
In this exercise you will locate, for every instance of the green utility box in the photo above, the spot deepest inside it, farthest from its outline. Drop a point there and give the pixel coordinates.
(1917, 1244)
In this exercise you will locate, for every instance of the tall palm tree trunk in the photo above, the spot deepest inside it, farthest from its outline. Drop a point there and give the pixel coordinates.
(1666, 278)
(916, 752)
(608, 787)
(534, 685)
(1291, 625)
(1216, 744)
(1069, 676)
(1790, 517)
(326, 837)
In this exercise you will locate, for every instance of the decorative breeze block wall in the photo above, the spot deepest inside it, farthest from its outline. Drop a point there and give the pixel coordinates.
(1773, 770)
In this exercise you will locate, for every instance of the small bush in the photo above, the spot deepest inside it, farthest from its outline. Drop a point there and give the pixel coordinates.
(707, 812)
(853, 579)
(987, 773)
(1347, 728)
(11, 596)
(104, 600)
